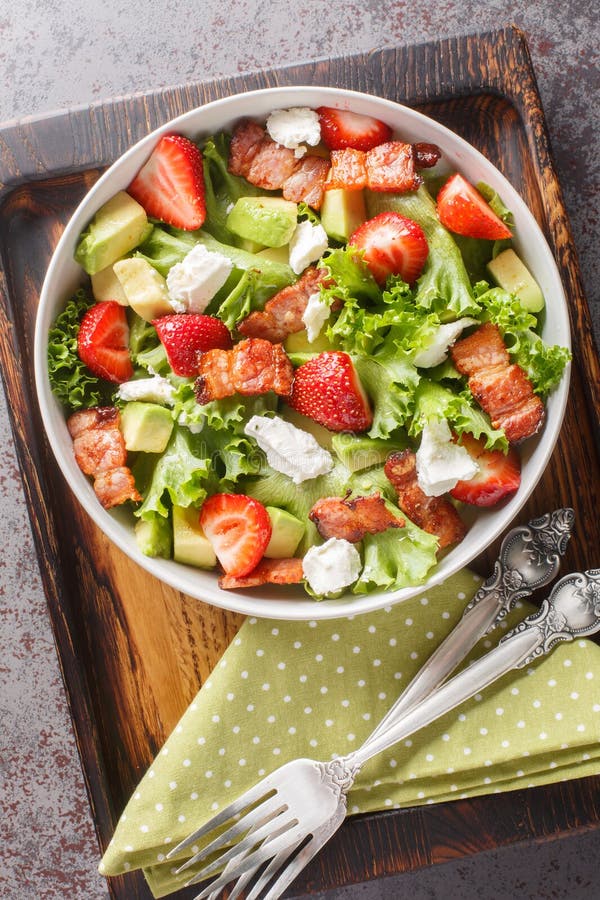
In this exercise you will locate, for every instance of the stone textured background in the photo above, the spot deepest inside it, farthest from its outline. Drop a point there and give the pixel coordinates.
(61, 53)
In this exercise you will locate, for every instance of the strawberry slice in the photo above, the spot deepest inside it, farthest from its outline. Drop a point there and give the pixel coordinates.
(341, 128)
(462, 209)
(327, 389)
(393, 245)
(184, 335)
(170, 186)
(238, 529)
(103, 342)
(499, 474)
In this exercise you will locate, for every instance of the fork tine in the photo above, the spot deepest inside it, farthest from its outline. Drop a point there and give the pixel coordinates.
(251, 796)
(294, 868)
(266, 876)
(245, 845)
(260, 815)
(251, 862)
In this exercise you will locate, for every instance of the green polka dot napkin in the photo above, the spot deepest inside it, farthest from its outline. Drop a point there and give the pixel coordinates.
(289, 689)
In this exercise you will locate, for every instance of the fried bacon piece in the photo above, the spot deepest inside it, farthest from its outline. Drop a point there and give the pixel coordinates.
(391, 167)
(436, 515)
(282, 314)
(502, 389)
(348, 170)
(426, 155)
(99, 449)
(254, 366)
(268, 571)
(350, 520)
(268, 165)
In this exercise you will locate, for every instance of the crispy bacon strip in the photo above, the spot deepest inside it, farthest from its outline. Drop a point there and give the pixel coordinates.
(99, 450)
(268, 165)
(426, 155)
(254, 366)
(348, 170)
(502, 389)
(268, 571)
(436, 515)
(350, 520)
(391, 167)
(282, 314)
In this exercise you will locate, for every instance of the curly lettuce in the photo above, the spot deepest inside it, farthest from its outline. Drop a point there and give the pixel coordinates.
(434, 401)
(396, 558)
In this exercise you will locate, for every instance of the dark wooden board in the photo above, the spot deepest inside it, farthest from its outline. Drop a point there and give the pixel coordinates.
(133, 653)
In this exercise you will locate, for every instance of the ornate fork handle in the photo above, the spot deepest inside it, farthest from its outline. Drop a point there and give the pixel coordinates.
(529, 558)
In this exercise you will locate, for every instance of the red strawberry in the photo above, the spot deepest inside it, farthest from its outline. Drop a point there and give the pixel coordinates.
(184, 335)
(103, 341)
(327, 389)
(170, 186)
(499, 474)
(238, 529)
(341, 128)
(393, 245)
(462, 209)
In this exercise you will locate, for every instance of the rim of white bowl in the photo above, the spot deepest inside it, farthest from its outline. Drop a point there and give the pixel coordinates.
(202, 584)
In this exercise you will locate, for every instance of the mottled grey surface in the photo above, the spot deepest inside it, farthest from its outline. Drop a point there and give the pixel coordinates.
(61, 53)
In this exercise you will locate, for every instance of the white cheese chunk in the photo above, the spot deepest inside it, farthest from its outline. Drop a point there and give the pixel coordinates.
(293, 128)
(289, 450)
(442, 340)
(440, 462)
(151, 390)
(331, 566)
(193, 282)
(308, 243)
(314, 316)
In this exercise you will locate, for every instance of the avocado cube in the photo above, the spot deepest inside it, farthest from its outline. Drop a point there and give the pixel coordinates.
(358, 453)
(276, 254)
(269, 221)
(510, 273)
(146, 427)
(145, 288)
(286, 535)
(190, 544)
(342, 211)
(154, 536)
(298, 343)
(116, 229)
(106, 286)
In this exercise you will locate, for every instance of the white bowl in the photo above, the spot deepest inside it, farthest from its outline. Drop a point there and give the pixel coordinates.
(64, 276)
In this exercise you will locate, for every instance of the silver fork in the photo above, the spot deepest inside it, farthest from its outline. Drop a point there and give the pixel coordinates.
(283, 821)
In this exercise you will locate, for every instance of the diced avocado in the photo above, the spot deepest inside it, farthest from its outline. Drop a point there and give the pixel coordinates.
(154, 536)
(510, 273)
(146, 427)
(276, 254)
(299, 343)
(358, 452)
(118, 227)
(342, 212)
(145, 288)
(106, 286)
(287, 533)
(190, 544)
(322, 435)
(269, 221)
(251, 246)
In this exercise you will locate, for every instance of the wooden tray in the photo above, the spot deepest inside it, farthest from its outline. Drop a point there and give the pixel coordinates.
(133, 653)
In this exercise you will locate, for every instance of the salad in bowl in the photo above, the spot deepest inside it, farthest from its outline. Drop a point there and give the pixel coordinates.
(302, 345)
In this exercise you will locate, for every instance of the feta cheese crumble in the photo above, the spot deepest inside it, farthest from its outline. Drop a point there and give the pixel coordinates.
(442, 340)
(440, 462)
(193, 282)
(151, 390)
(292, 128)
(332, 566)
(314, 316)
(308, 243)
(289, 450)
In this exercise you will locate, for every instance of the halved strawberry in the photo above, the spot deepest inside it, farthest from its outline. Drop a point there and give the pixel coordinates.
(393, 245)
(499, 474)
(462, 209)
(184, 335)
(327, 389)
(238, 529)
(341, 128)
(170, 186)
(103, 341)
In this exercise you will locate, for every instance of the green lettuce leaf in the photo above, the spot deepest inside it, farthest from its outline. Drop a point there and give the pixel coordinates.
(396, 558)
(70, 379)
(390, 379)
(434, 401)
(184, 475)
